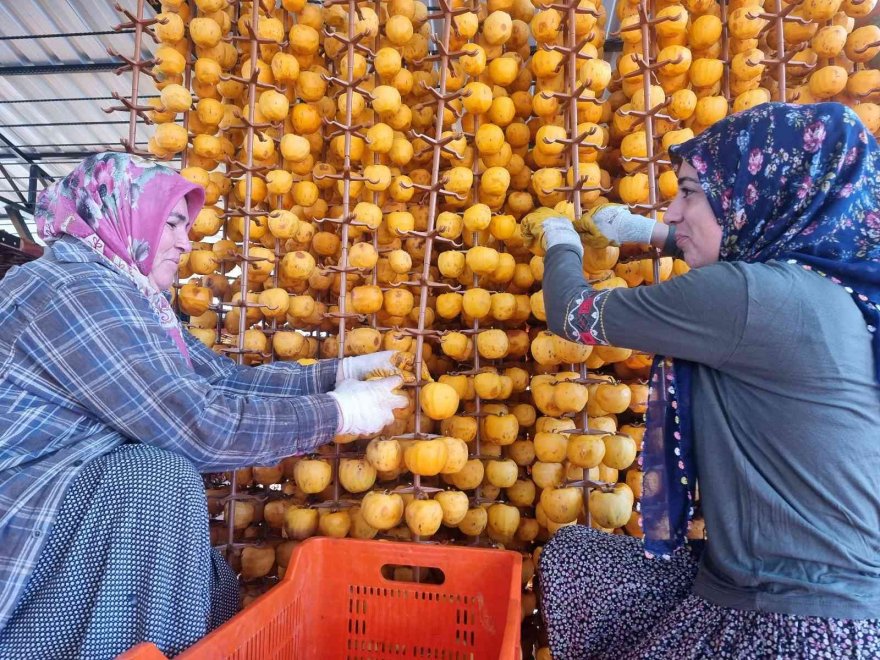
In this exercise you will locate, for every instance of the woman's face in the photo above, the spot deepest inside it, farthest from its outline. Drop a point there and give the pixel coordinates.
(697, 231)
(173, 243)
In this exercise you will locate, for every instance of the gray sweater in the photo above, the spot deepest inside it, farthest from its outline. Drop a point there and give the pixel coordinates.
(786, 421)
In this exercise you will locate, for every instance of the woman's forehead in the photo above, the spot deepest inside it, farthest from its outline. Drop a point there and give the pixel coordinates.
(684, 168)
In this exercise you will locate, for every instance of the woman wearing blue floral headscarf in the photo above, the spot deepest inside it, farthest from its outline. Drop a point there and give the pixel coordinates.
(767, 396)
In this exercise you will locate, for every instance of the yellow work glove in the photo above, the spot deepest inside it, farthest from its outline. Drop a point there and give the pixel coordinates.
(616, 225)
(533, 230)
(589, 232)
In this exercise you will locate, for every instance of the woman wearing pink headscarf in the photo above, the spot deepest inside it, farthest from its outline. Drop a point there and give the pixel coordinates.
(108, 412)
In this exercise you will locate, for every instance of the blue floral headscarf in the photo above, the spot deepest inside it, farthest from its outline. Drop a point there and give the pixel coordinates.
(794, 183)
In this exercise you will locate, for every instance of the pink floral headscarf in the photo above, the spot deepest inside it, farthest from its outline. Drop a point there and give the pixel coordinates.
(118, 205)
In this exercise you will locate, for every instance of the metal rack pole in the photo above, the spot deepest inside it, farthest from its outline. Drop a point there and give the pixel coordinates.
(445, 16)
(475, 325)
(137, 65)
(245, 246)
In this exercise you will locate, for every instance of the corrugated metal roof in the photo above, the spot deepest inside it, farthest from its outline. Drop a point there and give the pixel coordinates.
(46, 114)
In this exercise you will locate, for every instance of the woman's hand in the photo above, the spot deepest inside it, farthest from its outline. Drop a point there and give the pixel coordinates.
(599, 227)
(560, 231)
(360, 366)
(619, 225)
(366, 407)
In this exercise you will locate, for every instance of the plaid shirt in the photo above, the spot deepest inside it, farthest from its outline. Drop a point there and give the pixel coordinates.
(85, 366)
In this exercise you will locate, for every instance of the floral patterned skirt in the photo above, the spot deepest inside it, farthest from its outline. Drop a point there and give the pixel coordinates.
(602, 599)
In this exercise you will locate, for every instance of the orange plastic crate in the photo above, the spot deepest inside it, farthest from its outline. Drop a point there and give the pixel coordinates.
(335, 602)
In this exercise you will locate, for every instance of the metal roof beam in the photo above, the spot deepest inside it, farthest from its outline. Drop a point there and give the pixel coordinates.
(49, 152)
(62, 35)
(24, 232)
(11, 181)
(50, 69)
(70, 99)
(102, 122)
(18, 152)
(12, 204)
(34, 172)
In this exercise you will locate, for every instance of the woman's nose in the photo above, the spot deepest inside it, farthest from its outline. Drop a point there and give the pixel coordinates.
(182, 242)
(673, 212)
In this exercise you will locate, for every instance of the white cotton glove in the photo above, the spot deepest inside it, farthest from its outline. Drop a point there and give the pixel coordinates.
(560, 231)
(359, 366)
(620, 226)
(367, 406)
